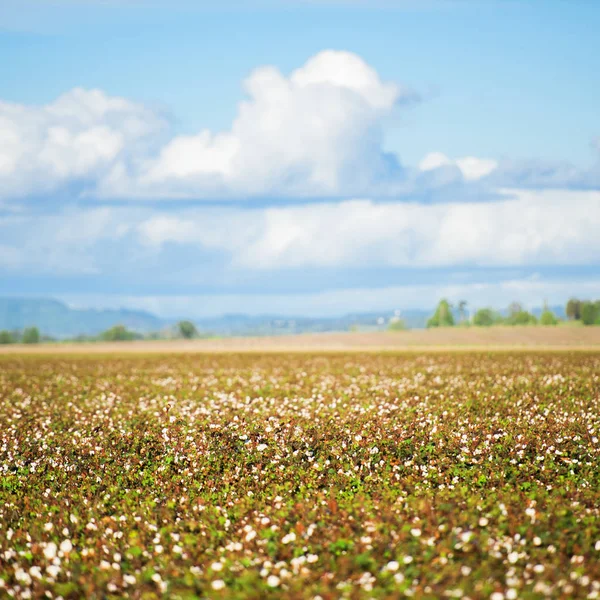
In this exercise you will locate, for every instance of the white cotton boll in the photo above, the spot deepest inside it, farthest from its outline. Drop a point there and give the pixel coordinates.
(50, 550)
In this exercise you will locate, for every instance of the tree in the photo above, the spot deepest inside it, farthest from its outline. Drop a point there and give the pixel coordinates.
(31, 335)
(590, 312)
(548, 318)
(486, 317)
(6, 337)
(521, 318)
(443, 315)
(119, 333)
(573, 309)
(187, 330)
(517, 315)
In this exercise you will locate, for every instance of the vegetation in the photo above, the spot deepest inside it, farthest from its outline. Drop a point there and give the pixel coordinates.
(443, 315)
(31, 335)
(590, 313)
(119, 333)
(263, 476)
(187, 330)
(548, 318)
(486, 317)
(7, 337)
(573, 309)
(587, 312)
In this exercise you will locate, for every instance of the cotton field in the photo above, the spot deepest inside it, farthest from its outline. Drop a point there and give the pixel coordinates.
(439, 475)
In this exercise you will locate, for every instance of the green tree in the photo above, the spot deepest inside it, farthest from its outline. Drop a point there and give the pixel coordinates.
(443, 315)
(486, 317)
(6, 337)
(119, 333)
(590, 313)
(517, 315)
(187, 330)
(548, 318)
(521, 318)
(573, 309)
(31, 335)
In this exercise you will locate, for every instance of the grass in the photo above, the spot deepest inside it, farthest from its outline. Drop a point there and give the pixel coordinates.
(472, 475)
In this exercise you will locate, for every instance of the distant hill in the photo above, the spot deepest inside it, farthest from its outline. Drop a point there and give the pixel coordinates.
(56, 319)
(283, 325)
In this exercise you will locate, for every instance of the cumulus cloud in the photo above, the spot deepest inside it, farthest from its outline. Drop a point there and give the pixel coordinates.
(74, 139)
(527, 227)
(314, 132)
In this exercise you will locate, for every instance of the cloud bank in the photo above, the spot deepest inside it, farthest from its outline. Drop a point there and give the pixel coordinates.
(526, 228)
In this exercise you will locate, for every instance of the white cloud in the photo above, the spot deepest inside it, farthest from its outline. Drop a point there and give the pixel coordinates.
(314, 132)
(527, 227)
(471, 168)
(74, 138)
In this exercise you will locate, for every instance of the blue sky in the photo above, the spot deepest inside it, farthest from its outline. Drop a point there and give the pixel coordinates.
(299, 157)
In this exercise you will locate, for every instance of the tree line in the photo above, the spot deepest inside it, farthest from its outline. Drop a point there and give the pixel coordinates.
(584, 312)
(117, 333)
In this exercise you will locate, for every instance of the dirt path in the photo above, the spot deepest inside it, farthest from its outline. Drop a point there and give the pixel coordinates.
(549, 338)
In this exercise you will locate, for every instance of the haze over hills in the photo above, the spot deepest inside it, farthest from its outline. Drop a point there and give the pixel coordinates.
(57, 319)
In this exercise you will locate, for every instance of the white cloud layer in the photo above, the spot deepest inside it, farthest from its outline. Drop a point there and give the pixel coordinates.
(528, 227)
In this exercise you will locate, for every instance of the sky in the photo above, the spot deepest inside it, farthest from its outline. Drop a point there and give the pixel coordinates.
(299, 157)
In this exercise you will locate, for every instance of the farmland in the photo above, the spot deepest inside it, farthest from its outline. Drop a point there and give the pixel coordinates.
(249, 475)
